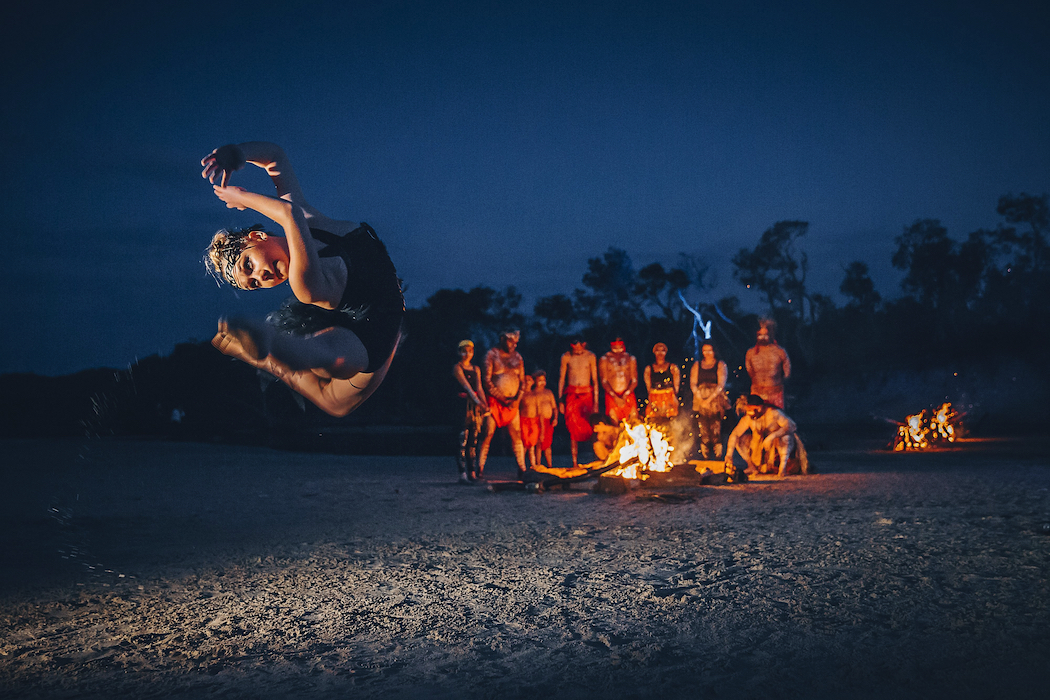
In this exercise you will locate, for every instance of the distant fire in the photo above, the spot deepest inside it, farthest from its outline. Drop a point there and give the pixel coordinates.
(645, 450)
(929, 428)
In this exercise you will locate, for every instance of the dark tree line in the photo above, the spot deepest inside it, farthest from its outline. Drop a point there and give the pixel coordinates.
(974, 301)
(971, 302)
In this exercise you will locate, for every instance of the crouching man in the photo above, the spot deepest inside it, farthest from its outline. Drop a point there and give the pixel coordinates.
(774, 444)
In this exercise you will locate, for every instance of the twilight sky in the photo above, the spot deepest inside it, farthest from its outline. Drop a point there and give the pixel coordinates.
(493, 143)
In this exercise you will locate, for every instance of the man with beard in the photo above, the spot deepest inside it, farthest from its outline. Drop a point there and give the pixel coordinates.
(768, 365)
(504, 378)
(578, 393)
(618, 371)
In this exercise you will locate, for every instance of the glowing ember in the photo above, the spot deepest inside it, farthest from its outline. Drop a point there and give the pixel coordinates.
(929, 428)
(645, 450)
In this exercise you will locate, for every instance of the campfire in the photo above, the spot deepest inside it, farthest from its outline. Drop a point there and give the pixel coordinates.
(929, 428)
(645, 450)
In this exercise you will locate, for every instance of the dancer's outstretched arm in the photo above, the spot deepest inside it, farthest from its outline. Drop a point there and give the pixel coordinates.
(223, 161)
(311, 282)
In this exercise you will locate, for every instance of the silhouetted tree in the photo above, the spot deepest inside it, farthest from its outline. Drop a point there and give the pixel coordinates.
(939, 273)
(610, 297)
(556, 314)
(503, 311)
(659, 288)
(1029, 247)
(777, 267)
(859, 289)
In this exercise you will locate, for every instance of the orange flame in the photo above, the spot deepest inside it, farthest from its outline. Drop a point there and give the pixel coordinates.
(645, 450)
(925, 427)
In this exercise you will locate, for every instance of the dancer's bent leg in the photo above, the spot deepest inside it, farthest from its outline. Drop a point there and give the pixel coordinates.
(336, 352)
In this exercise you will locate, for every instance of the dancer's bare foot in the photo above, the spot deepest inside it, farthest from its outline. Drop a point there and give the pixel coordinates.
(240, 337)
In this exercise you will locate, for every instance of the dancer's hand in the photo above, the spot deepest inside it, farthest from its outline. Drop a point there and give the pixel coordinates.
(222, 162)
(233, 196)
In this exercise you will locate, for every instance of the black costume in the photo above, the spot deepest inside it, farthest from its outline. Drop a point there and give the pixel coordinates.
(707, 376)
(709, 408)
(473, 418)
(661, 380)
(372, 305)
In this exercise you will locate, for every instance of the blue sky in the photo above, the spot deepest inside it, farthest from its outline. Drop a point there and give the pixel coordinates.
(494, 143)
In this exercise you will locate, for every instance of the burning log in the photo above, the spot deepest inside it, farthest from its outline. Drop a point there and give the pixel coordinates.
(641, 449)
(612, 485)
(619, 478)
(929, 428)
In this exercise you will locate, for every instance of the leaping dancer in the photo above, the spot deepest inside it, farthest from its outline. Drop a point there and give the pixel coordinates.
(332, 343)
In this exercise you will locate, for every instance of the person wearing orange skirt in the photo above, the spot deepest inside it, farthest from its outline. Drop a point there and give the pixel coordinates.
(539, 415)
(504, 382)
(662, 380)
(578, 393)
(618, 372)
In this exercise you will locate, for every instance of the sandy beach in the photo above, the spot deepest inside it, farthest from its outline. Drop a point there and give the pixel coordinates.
(153, 569)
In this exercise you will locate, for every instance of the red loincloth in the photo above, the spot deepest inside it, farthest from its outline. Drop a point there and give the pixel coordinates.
(530, 431)
(662, 404)
(770, 394)
(579, 405)
(546, 434)
(503, 415)
(620, 413)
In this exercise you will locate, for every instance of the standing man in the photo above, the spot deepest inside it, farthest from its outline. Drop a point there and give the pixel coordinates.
(578, 393)
(768, 365)
(618, 371)
(504, 378)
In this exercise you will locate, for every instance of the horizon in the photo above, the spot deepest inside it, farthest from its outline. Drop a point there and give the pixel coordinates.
(496, 145)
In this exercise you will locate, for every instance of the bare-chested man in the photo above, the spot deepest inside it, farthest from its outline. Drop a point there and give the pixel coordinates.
(578, 392)
(539, 415)
(618, 371)
(504, 377)
(774, 441)
(768, 365)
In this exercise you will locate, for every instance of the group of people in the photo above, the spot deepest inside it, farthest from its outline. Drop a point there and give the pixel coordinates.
(500, 394)
(334, 340)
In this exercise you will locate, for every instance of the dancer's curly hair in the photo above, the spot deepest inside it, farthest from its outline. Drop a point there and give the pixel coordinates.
(225, 249)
